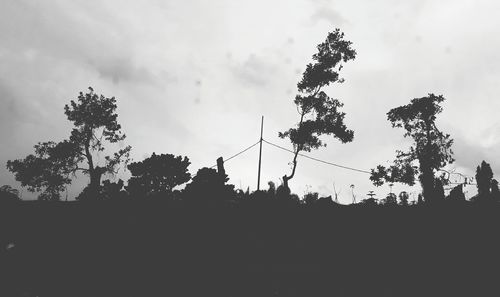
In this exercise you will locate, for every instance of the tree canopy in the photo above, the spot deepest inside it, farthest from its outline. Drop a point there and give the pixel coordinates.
(158, 174)
(95, 120)
(48, 170)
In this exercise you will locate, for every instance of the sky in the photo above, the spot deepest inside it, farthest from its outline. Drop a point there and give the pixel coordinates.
(193, 78)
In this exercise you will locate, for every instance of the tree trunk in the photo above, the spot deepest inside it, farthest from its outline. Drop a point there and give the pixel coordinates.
(95, 181)
(94, 172)
(287, 178)
(427, 181)
(427, 176)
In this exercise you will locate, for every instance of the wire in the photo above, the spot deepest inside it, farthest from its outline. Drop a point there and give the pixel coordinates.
(236, 155)
(318, 160)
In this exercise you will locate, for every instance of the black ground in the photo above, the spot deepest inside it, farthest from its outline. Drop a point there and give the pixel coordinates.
(155, 248)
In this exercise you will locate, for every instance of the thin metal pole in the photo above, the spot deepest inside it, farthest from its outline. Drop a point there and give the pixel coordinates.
(260, 152)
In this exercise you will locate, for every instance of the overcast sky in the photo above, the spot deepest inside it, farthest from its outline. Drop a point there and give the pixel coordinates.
(194, 78)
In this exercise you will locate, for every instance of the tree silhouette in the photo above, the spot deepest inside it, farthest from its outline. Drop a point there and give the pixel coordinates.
(484, 177)
(320, 114)
(95, 121)
(158, 174)
(431, 147)
(47, 170)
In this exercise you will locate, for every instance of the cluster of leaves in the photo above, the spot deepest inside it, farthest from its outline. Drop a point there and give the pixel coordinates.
(95, 119)
(158, 174)
(402, 171)
(47, 170)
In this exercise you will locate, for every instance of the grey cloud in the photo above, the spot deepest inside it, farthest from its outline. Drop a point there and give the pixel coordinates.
(14, 109)
(328, 14)
(255, 71)
(80, 40)
(123, 70)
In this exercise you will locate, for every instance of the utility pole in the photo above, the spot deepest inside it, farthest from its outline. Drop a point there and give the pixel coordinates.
(260, 152)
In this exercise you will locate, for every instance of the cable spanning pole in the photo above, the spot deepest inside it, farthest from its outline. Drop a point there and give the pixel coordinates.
(236, 155)
(318, 160)
(260, 152)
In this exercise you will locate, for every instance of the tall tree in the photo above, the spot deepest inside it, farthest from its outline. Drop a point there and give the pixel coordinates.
(95, 120)
(49, 169)
(431, 148)
(484, 177)
(158, 174)
(319, 113)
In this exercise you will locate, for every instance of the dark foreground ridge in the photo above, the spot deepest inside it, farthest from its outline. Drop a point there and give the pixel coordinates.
(167, 248)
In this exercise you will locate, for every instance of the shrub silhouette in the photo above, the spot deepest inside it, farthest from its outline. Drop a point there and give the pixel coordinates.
(107, 191)
(208, 186)
(9, 194)
(311, 198)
